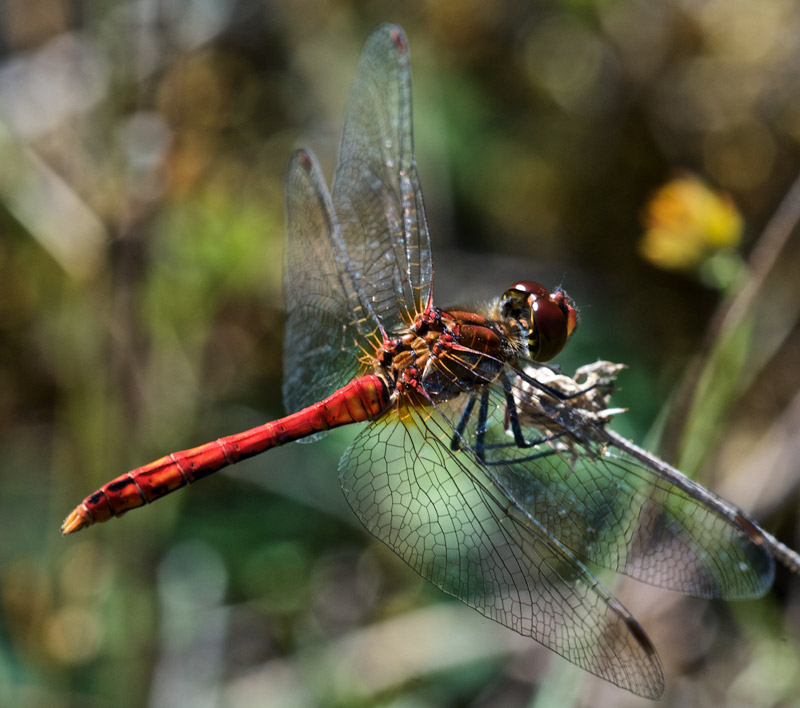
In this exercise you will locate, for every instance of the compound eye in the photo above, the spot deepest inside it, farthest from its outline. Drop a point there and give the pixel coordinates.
(516, 301)
(550, 330)
(550, 318)
(529, 287)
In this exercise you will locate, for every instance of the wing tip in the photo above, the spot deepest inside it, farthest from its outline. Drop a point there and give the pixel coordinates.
(653, 688)
(304, 159)
(398, 37)
(395, 34)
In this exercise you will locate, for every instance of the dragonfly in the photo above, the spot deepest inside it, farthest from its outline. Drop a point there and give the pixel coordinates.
(491, 474)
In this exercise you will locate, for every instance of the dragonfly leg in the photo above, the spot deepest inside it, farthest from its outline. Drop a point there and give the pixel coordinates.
(480, 447)
(520, 460)
(554, 392)
(466, 414)
(520, 441)
(511, 413)
(483, 416)
(480, 431)
(513, 421)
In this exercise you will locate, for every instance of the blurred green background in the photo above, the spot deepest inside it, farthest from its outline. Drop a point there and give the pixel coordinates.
(142, 150)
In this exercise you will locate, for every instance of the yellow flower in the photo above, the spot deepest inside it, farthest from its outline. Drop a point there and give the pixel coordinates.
(687, 223)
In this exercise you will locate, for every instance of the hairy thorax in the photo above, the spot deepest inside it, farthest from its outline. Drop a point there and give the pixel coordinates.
(446, 353)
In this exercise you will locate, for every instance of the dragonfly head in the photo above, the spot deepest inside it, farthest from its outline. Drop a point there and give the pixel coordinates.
(549, 318)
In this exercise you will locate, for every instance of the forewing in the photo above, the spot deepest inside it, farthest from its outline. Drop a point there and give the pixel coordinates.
(441, 512)
(359, 264)
(613, 510)
(376, 191)
(324, 319)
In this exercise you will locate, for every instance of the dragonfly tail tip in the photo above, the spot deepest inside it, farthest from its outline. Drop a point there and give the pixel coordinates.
(74, 522)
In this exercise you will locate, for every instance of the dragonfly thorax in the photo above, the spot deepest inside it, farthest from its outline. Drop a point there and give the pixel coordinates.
(443, 354)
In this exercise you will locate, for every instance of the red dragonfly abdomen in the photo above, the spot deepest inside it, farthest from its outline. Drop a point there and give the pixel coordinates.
(365, 398)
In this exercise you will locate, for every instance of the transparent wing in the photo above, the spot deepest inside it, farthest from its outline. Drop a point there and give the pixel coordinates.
(610, 508)
(364, 264)
(441, 512)
(324, 319)
(376, 191)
